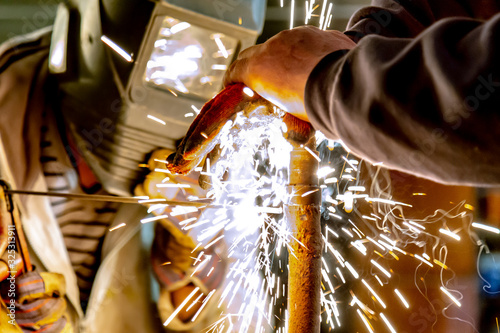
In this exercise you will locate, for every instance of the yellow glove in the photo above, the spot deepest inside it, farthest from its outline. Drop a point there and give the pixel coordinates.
(35, 303)
(179, 245)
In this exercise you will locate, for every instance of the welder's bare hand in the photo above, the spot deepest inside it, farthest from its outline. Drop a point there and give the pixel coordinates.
(279, 68)
(204, 134)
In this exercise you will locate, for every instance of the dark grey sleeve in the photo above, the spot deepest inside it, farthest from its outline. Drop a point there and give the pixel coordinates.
(429, 105)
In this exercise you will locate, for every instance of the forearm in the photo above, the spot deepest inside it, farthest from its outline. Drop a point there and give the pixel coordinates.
(427, 105)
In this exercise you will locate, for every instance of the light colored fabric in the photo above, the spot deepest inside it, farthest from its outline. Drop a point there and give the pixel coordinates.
(120, 299)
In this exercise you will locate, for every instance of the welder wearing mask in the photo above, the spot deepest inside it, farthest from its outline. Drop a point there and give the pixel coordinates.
(82, 105)
(413, 84)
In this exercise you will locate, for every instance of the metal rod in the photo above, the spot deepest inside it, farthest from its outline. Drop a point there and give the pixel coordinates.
(303, 215)
(108, 198)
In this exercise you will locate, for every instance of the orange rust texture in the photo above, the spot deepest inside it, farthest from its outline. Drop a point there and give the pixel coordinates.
(304, 281)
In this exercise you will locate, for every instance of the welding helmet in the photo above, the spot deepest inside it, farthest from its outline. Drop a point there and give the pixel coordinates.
(133, 73)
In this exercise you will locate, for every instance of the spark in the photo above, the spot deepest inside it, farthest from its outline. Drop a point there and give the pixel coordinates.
(249, 92)
(356, 188)
(340, 274)
(351, 164)
(205, 301)
(327, 16)
(214, 241)
(195, 109)
(390, 202)
(377, 297)
(387, 323)
(118, 227)
(176, 312)
(439, 263)
(158, 120)
(331, 180)
(322, 17)
(194, 302)
(309, 193)
(179, 27)
(447, 293)
(292, 13)
(173, 185)
(116, 48)
(401, 297)
(449, 233)
(412, 227)
(218, 67)
(154, 218)
(221, 47)
(189, 114)
(352, 270)
(382, 269)
(423, 260)
(152, 200)
(365, 321)
(417, 225)
(486, 227)
(186, 221)
(313, 154)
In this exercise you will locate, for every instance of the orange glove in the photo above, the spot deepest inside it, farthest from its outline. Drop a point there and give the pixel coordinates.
(203, 135)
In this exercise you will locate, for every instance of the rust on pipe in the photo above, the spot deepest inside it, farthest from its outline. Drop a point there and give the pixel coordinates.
(303, 215)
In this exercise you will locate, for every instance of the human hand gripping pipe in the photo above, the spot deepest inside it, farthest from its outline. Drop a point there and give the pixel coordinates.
(303, 208)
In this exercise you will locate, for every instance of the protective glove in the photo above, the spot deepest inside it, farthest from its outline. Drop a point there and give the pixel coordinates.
(204, 133)
(179, 242)
(38, 303)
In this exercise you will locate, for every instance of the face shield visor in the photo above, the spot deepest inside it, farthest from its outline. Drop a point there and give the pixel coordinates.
(178, 66)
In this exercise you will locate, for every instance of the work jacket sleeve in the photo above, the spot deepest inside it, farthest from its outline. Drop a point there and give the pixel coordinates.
(420, 100)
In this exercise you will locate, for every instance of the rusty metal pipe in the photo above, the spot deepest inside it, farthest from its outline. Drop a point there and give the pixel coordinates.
(303, 215)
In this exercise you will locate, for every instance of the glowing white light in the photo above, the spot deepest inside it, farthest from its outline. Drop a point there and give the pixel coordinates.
(158, 120)
(382, 269)
(423, 260)
(377, 297)
(121, 225)
(313, 154)
(486, 227)
(154, 218)
(352, 270)
(447, 293)
(116, 48)
(183, 304)
(387, 323)
(332, 180)
(218, 67)
(179, 27)
(173, 185)
(449, 233)
(221, 47)
(57, 57)
(249, 92)
(356, 188)
(365, 321)
(403, 300)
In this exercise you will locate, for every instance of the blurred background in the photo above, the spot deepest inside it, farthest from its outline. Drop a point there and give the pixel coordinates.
(22, 16)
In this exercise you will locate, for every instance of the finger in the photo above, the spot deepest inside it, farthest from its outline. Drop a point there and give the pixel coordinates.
(237, 73)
